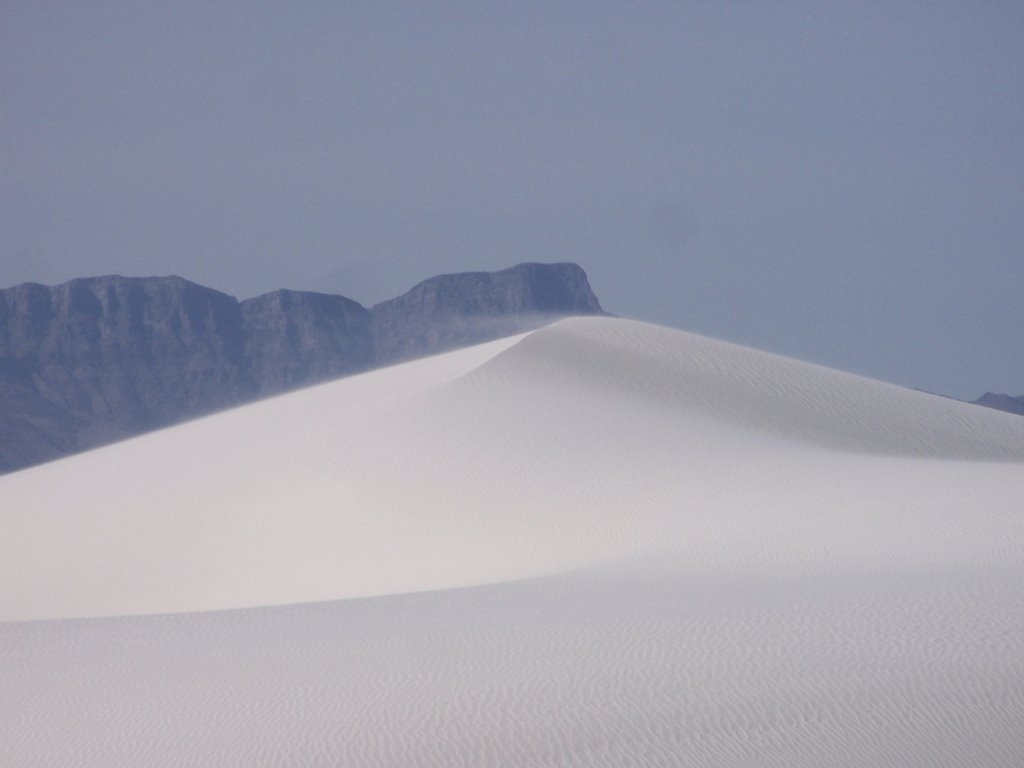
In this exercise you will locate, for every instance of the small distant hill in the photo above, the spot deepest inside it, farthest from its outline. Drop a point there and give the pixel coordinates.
(100, 359)
(1002, 402)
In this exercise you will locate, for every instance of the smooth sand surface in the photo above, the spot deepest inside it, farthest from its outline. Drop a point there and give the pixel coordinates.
(599, 543)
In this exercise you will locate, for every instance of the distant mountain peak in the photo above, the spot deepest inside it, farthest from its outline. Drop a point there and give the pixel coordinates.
(454, 310)
(527, 287)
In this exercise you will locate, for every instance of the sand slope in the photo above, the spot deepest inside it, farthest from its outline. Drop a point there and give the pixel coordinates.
(601, 543)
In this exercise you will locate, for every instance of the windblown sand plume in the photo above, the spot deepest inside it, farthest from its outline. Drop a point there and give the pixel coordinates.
(601, 543)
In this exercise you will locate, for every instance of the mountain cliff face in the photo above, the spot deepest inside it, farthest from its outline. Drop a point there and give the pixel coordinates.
(450, 311)
(99, 359)
(295, 338)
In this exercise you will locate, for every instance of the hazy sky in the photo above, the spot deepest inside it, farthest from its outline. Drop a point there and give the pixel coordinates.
(839, 182)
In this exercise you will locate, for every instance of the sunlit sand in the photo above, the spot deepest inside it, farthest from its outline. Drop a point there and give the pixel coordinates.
(599, 543)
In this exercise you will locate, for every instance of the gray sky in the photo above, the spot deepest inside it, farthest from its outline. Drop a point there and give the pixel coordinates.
(838, 182)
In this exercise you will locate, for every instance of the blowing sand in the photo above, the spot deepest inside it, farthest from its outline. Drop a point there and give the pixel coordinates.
(601, 543)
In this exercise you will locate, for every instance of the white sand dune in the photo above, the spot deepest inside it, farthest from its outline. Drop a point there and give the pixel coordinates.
(600, 543)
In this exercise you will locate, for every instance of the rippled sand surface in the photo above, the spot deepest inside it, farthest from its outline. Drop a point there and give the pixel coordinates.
(602, 543)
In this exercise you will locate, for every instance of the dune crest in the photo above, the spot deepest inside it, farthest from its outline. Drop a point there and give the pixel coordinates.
(599, 543)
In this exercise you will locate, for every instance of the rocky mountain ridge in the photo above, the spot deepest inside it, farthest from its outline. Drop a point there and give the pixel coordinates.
(100, 359)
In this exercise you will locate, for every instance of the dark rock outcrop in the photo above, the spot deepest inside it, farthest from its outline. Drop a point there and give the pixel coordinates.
(32, 429)
(295, 338)
(1002, 402)
(99, 359)
(450, 311)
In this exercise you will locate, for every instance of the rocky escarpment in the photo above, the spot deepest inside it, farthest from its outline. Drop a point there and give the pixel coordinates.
(456, 310)
(295, 338)
(99, 359)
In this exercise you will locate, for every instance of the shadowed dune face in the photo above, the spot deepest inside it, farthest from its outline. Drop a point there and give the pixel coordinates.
(682, 372)
(631, 546)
